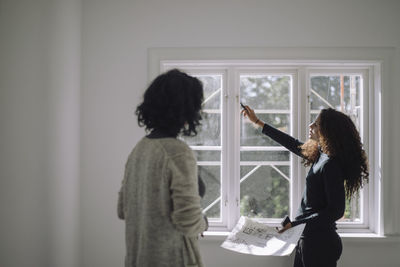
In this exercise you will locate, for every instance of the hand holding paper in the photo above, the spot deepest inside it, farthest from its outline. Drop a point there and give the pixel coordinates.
(251, 237)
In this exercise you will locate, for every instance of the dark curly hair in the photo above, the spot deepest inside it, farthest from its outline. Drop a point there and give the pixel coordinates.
(172, 104)
(339, 138)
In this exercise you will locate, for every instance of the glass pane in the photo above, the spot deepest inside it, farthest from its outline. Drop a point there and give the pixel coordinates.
(209, 133)
(206, 155)
(343, 93)
(252, 136)
(209, 136)
(264, 194)
(212, 86)
(265, 91)
(264, 156)
(352, 212)
(313, 117)
(265, 190)
(211, 176)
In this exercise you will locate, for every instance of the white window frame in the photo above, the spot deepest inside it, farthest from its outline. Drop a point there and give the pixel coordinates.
(301, 71)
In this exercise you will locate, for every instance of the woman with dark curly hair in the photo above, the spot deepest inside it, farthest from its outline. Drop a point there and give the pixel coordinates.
(339, 168)
(159, 198)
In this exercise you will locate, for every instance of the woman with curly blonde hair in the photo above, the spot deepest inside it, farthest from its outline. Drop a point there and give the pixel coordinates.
(339, 168)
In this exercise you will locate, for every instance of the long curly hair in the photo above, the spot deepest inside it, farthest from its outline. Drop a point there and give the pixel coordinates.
(339, 138)
(172, 104)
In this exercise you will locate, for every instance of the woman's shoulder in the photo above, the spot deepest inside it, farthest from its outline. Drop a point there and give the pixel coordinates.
(330, 164)
(171, 146)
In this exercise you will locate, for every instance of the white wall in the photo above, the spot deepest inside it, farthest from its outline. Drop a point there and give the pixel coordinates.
(116, 38)
(51, 135)
(40, 133)
(23, 202)
(63, 96)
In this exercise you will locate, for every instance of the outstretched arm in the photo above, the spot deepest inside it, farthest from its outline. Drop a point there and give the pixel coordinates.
(280, 137)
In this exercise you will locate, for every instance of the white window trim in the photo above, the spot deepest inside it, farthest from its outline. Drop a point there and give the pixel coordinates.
(373, 98)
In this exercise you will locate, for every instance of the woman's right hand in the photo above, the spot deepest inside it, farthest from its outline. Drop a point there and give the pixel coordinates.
(249, 113)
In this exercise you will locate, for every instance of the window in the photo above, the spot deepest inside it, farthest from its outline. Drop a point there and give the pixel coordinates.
(341, 90)
(245, 172)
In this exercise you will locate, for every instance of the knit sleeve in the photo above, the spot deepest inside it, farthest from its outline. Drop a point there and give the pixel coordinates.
(121, 194)
(186, 213)
(120, 208)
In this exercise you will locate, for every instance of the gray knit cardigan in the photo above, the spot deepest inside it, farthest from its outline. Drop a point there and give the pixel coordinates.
(160, 204)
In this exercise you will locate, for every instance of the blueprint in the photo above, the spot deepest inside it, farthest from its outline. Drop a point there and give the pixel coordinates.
(251, 237)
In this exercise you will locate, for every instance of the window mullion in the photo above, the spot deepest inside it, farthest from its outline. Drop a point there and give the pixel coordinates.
(375, 118)
(233, 147)
(224, 150)
(366, 128)
(300, 114)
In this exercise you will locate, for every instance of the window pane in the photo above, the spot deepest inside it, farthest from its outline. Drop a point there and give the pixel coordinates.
(205, 155)
(209, 133)
(264, 194)
(265, 91)
(265, 188)
(206, 144)
(252, 136)
(264, 156)
(212, 180)
(352, 212)
(212, 85)
(343, 93)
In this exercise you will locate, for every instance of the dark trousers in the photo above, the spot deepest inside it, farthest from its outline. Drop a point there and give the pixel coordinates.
(322, 249)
